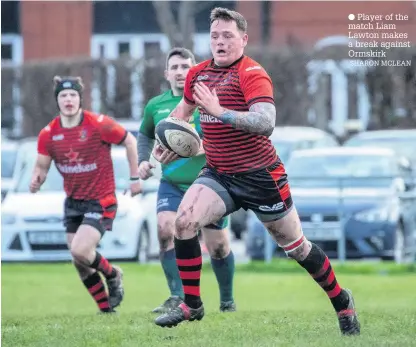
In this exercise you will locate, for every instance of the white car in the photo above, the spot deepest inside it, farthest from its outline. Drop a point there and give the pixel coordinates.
(9, 151)
(32, 228)
(130, 125)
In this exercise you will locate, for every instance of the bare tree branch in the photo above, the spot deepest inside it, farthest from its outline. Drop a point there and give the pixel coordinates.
(167, 22)
(180, 32)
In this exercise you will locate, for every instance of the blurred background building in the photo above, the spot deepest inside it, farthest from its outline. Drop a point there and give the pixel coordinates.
(119, 46)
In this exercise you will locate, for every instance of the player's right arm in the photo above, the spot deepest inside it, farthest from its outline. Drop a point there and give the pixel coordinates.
(184, 110)
(43, 161)
(145, 143)
(186, 107)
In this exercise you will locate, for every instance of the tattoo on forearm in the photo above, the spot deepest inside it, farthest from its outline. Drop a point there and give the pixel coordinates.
(260, 119)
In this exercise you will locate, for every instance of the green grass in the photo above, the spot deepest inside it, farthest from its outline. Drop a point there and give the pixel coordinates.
(47, 306)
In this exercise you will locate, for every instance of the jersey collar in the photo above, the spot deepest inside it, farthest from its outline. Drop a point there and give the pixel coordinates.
(80, 121)
(225, 67)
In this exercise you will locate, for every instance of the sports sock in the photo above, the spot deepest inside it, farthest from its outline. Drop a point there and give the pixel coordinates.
(96, 288)
(168, 261)
(103, 265)
(224, 271)
(319, 267)
(189, 260)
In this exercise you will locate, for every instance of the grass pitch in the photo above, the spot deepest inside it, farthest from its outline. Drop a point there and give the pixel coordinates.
(47, 306)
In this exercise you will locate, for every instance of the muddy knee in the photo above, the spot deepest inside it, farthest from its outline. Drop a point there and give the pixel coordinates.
(218, 250)
(165, 232)
(185, 226)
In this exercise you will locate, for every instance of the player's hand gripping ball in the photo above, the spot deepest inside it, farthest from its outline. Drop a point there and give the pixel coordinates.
(178, 136)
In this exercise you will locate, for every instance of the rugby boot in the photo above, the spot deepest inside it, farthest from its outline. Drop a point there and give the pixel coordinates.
(170, 303)
(228, 306)
(115, 288)
(179, 314)
(348, 320)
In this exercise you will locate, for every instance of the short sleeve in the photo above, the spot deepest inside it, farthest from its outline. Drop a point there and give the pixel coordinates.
(256, 85)
(187, 92)
(110, 130)
(147, 127)
(43, 141)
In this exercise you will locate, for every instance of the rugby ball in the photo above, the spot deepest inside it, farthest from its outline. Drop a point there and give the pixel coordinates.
(178, 136)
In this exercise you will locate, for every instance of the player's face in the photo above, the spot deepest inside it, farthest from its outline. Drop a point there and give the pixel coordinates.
(69, 102)
(177, 70)
(227, 42)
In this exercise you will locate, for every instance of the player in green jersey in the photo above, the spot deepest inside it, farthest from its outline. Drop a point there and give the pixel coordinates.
(177, 176)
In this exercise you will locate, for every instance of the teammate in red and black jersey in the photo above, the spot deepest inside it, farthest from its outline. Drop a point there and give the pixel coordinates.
(234, 95)
(79, 142)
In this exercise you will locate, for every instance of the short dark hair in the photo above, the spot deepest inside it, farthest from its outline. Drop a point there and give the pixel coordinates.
(182, 52)
(221, 13)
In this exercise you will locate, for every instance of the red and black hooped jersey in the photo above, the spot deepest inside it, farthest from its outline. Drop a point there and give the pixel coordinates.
(238, 87)
(82, 154)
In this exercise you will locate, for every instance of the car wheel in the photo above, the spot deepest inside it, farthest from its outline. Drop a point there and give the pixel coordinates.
(398, 247)
(143, 245)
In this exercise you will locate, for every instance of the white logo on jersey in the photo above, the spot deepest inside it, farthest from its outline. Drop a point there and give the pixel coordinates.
(77, 168)
(100, 118)
(275, 207)
(206, 118)
(253, 68)
(58, 137)
(166, 110)
(202, 78)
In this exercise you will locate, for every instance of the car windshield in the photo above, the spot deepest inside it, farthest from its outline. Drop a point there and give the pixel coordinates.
(54, 181)
(404, 146)
(341, 170)
(283, 149)
(8, 161)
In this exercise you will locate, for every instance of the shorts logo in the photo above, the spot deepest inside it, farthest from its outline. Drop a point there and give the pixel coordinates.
(93, 215)
(275, 207)
(162, 203)
(202, 172)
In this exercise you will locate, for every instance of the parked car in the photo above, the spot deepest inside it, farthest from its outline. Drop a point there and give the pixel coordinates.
(130, 124)
(403, 142)
(287, 139)
(9, 151)
(357, 191)
(32, 228)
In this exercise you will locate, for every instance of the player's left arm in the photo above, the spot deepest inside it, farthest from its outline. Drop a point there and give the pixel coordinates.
(260, 119)
(258, 93)
(114, 133)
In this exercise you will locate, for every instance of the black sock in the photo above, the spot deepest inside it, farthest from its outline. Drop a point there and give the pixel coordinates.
(319, 267)
(103, 265)
(96, 288)
(189, 260)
